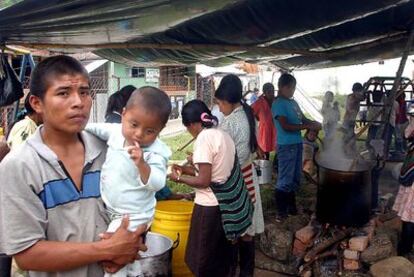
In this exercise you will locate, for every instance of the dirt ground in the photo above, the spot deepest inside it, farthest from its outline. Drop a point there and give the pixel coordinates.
(265, 273)
(306, 203)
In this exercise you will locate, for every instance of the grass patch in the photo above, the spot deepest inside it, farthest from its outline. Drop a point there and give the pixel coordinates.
(176, 142)
(178, 187)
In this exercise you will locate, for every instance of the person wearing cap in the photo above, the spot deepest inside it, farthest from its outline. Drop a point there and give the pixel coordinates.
(351, 111)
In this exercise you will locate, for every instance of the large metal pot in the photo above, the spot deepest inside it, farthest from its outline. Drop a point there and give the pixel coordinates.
(156, 261)
(344, 192)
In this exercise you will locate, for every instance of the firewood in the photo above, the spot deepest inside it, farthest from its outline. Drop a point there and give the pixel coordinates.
(340, 265)
(317, 269)
(323, 245)
(323, 255)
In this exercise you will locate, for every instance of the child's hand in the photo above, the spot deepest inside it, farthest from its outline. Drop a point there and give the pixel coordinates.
(135, 153)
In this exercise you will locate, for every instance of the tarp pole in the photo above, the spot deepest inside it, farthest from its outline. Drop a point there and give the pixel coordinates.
(393, 93)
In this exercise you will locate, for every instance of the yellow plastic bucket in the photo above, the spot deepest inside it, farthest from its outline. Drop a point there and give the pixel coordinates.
(172, 219)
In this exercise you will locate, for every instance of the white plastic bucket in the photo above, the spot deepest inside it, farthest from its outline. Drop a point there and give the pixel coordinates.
(264, 171)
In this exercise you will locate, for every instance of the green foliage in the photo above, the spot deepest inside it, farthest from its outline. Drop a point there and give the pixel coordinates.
(178, 187)
(176, 142)
(7, 3)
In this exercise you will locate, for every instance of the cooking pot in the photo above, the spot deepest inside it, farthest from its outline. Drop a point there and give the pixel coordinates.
(156, 261)
(344, 192)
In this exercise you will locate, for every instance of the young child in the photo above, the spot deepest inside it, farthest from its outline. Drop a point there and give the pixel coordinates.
(351, 111)
(136, 162)
(326, 111)
(310, 148)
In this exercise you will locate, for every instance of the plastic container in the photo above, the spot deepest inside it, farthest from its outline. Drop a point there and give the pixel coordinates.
(172, 219)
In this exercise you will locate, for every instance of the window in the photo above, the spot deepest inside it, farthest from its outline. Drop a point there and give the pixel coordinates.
(138, 72)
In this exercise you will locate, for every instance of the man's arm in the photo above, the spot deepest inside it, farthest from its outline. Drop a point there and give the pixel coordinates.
(53, 256)
(291, 127)
(306, 120)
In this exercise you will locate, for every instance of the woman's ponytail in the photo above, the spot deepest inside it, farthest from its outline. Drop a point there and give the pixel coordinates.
(252, 126)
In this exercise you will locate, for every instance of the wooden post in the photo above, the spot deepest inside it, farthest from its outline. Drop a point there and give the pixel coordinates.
(393, 94)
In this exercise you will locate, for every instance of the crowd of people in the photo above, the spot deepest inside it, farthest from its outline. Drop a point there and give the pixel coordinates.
(77, 199)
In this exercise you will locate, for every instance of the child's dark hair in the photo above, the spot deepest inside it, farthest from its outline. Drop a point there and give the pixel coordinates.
(286, 79)
(197, 111)
(153, 100)
(230, 90)
(49, 69)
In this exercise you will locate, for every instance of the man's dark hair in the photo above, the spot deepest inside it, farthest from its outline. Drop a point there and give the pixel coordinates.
(268, 87)
(286, 79)
(51, 68)
(357, 87)
(152, 100)
(27, 106)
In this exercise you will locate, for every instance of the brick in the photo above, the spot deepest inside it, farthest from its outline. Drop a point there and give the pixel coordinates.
(351, 254)
(351, 264)
(372, 222)
(394, 223)
(306, 234)
(299, 248)
(358, 243)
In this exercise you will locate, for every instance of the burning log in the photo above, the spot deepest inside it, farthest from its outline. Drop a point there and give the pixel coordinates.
(326, 244)
(340, 265)
(317, 269)
(331, 253)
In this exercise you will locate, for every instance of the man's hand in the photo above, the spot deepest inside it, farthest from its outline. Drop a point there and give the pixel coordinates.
(124, 245)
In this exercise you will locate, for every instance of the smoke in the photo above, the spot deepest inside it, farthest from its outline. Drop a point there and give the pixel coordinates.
(336, 153)
(333, 149)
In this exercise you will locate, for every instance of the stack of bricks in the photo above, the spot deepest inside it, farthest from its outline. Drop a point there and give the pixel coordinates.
(351, 255)
(358, 244)
(303, 240)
